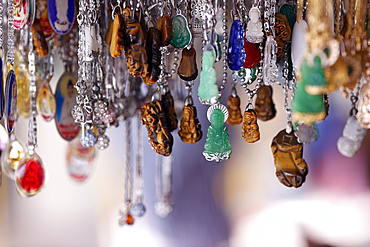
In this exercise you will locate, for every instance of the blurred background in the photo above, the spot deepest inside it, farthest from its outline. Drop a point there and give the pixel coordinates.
(238, 202)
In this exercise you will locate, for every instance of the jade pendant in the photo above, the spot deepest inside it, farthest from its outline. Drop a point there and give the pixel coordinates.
(180, 31)
(217, 147)
(208, 90)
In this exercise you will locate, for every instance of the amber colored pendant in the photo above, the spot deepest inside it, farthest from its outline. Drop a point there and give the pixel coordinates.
(282, 34)
(235, 115)
(169, 108)
(164, 25)
(153, 40)
(264, 106)
(190, 129)
(23, 92)
(291, 168)
(46, 104)
(117, 39)
(188, 70)
(250, 129)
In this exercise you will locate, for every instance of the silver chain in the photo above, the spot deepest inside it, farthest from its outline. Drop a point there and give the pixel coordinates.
(10, 53)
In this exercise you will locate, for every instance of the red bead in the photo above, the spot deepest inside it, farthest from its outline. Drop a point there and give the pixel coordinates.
(252, 55)
(32, 176)
(129, 219)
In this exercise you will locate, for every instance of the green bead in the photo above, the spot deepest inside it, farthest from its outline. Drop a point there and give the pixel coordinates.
(217, 146)
(180, 31)
(309, 108)
(208, 90)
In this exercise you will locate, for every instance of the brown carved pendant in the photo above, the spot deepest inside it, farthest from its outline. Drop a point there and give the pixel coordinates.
(190, 129)
(250, 129)
(108, 35)
(235, 114)
(154, 55)
(39, 41)
(169, 109)
(265, 107)
(164, 25)
(282, 34)
(188, 70)
(154, 118)
(291, 168)
(117, 38)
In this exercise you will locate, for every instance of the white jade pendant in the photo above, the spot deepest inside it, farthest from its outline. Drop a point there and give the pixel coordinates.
(353, 135)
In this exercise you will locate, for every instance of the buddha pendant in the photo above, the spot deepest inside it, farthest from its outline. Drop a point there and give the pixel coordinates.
(353, 135)
(250, 129)
(254, 27)
(190, 129)
(208, 90)
(180, 31)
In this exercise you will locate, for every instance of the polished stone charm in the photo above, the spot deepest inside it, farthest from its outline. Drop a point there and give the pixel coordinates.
(250, 129)
(291, 168)
(153, 40)
(306, 133)
(164, 25)
(208, 90)
(353, 135)
(235, 114)
(180, 31)
(217, 147)
(264, 106)
(188, 70)
(167, 103)
(254, 26)
(236, 53)
(252, 55)
(282, 34)
(190, 129)
(308, 108)
(117, 39)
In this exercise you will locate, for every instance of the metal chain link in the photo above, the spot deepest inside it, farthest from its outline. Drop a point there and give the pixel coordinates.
(32, 131)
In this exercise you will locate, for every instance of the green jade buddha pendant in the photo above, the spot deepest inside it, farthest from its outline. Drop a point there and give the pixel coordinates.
(180, 31)
(208, 90)
(308, 108)
(217, 147)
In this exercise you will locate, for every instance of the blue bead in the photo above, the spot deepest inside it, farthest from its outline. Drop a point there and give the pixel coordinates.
(236, 53)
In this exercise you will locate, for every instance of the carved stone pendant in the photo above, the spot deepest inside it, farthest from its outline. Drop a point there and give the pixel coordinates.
(282, 34)
(180, 31)
(236, 53)
(39, 41)
(208, 90)
(159, 135)
(117, 39)
(353, 135)
(164, 25)
(250, 129)
(264, 106)
(190, 129)
(153, 40)
(188, 70)
(169, 109)
(235, 115)
(252, 55)
(291, 168)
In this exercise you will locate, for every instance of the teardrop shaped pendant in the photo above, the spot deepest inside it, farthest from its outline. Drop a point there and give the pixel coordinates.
(46, 104)
(10, 112)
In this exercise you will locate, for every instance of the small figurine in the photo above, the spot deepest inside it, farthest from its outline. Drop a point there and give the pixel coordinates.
(254, 27)
(208, 90)
(164, 25)
(188, 70)
(217, 147)
(352, 138)
(282, 34)
(265, 107)
(153, 40)
(235, 114)
(291, 168)
(180, 31)
(363, 114)
(250, 129)
(159, 135)
(39, 41)
(190, 129)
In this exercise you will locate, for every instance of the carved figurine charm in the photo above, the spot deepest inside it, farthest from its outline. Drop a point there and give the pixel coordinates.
(265, 107)
(154, 55)
(180, 31)
(117, 39)
(250, 129)
(39, 41)
(169, 108)
(208, 90)
(235, 114)
(164, 25)
(217, 147)
(188, 70)
(352, 138)
(190, 129)
(291, 168)
(254, 26)
(282, 34)
(159, 135)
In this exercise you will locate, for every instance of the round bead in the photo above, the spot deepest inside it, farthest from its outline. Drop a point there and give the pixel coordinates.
(224, 74)
(224, 81)
(173, 71)
(224, 67)
(222, 87)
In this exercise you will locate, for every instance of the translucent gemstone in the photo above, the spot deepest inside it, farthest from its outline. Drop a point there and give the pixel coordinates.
(129, 219)
(138, 210)
(30, 176)
(252, 55)
(208, 89)
(180, 31)
(188, 70)
(236, 54)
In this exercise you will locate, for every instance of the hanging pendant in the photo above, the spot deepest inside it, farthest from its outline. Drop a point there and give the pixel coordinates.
(32, 12)
(252, 55)
(180, 31)
(11, 156)
(250, 129)
(117, 39)
(353, 135)
(153, 40)
(233, 103)
(10, 111)
(164, 25)
(208, 90)
(65, 96)
(236, 52)
(42, 14)
(270, 70)
(299, 43)
(306, 133)
(30, 175)
(188, 70)
(264, 105)
(46, 104)
(291, 168)
(21, 14)
(190, 129)
(169, 108)
(61, 15)
(39, 41)
(282, 34)
(80, 161)
(217, 147)
(254, 26)
(23, 91)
